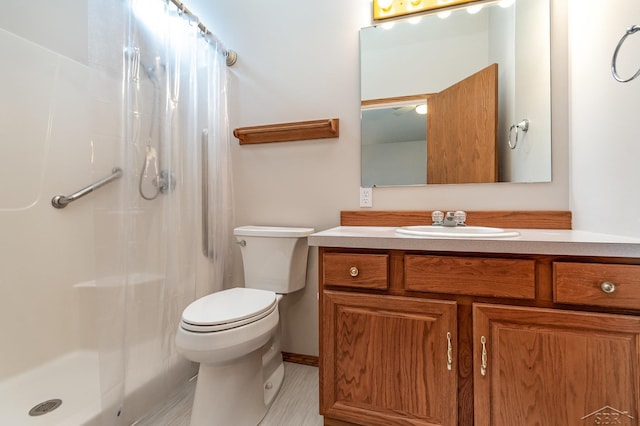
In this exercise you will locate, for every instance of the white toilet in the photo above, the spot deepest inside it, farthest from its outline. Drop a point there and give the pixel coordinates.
(234, 333)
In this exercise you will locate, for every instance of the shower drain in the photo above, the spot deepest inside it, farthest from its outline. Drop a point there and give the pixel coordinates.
(45, 407)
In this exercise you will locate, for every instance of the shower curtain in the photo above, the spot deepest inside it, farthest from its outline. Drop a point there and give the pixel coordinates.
(159, 111)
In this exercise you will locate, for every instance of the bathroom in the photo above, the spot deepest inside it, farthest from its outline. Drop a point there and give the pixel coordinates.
(296, 63)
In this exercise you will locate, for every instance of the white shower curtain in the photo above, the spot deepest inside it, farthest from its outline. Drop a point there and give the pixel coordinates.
(159, 97)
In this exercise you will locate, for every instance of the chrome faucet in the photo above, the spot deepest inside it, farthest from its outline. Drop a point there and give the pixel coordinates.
(450, 219)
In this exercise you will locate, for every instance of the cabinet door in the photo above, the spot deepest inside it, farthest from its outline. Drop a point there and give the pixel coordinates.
(552, 367)
(388, 360)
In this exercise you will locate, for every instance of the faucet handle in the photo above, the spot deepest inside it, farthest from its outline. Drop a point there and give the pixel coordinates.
(460, 216)
(437, 217)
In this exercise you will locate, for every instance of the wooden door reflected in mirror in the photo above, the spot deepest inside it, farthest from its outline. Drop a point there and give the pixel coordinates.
(461, 130)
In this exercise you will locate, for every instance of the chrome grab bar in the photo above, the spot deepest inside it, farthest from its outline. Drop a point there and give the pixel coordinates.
(205, 192)
(60, 201)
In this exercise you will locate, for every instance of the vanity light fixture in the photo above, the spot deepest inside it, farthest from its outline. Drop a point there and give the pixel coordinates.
(389, 9)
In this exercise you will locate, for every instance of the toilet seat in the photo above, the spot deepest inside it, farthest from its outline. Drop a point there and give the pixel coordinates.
(228, 309)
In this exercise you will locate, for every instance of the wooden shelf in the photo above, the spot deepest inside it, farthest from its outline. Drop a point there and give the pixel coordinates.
(287, 132)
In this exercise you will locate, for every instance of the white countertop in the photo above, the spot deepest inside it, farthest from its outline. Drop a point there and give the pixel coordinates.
(530, 241)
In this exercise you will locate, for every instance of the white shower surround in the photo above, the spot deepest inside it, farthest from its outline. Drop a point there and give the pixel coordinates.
(65, 323)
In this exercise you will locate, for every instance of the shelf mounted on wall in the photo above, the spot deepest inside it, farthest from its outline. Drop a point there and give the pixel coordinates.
(287, 132)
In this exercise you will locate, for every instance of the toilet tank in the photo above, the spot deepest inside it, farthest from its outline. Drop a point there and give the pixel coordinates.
(274, 257)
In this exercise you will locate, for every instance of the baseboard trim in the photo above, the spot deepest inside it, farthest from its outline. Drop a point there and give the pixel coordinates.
(334, 422)
(300, 359)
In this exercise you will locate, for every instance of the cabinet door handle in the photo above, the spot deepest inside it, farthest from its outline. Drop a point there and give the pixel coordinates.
(353, 271)
(449, 352)
(483, 365)
(608, 287)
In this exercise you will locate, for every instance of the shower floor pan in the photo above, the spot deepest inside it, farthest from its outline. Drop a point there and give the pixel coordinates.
(72, 378)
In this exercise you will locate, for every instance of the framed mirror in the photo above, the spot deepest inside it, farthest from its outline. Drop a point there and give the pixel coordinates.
(484, 77)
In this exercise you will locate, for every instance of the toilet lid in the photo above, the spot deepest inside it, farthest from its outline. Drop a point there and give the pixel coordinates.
(228, 308)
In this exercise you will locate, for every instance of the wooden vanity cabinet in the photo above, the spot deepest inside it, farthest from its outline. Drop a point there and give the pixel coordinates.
(388, 359)
(470, 339)
(554, 367)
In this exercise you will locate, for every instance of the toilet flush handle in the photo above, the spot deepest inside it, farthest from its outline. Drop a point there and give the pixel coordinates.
(242, 243)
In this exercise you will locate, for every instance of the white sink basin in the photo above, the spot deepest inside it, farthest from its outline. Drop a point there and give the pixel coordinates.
(457, 231)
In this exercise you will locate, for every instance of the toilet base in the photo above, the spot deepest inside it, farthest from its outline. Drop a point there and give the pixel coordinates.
(238, 393)
(230, 394)
(272, 368)
(272, 385)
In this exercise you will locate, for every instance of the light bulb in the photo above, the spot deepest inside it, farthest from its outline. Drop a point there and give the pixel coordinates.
(385, 4)
(506, 3)
(444, 15)
(421, 109)
(387, 25)
(415, 20)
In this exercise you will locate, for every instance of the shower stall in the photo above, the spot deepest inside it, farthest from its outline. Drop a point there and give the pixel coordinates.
(115, 206)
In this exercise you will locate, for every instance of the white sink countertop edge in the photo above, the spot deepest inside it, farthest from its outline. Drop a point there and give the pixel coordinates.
(530, 241)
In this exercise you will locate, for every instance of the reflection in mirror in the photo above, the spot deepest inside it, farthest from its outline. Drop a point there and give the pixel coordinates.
(434, 55)
(393, 142)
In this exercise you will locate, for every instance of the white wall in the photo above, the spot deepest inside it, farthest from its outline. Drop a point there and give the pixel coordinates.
(397, 163)
(605, 135)
(301, 62)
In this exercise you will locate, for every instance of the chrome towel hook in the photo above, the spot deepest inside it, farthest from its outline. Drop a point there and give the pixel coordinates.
(631, 30)
(523, 126)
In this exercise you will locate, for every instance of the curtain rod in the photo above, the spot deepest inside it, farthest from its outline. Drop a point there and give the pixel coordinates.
(232, 57)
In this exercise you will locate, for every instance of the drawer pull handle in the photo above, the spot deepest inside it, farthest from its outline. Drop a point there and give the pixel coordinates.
(608, 287)
(353, 271)
(483, 365)
(449, 352)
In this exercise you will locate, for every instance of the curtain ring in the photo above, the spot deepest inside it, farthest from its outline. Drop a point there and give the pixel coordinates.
(523, 126)
(631, 30)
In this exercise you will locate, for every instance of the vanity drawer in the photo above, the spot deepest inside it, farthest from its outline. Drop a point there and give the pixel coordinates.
(597, 284)
(356, 270)
(474, 276)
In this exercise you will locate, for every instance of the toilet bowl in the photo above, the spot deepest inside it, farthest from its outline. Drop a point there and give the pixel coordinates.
(234, 333)
(225, 325)
(230, 344)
